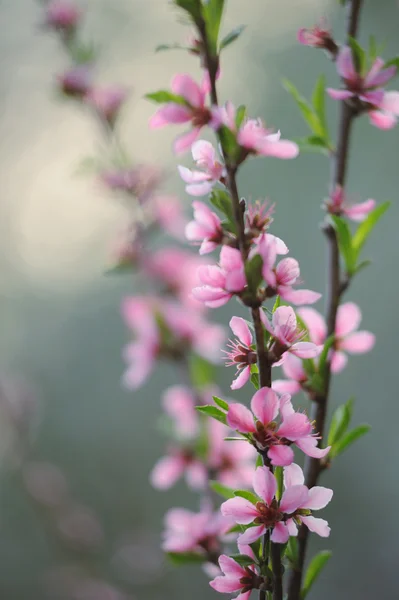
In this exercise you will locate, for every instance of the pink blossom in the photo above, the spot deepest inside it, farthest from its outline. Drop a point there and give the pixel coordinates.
(179, 404)
(107, 101)
(286, 334)
(266, 435)
(201, 182)
(205, 228)
(294, 507)
(347, 339)
(140, 181)
(296, 376)
(258, 218)
(387, 114)
(76, 82)
(62, 15)
(192, 110)
(338, 205)
(178, 462)
(235, 578)
(241, 353)
(167, 212)
(232, 462)
(282, 277)
(201, 532)
(265, 239)
(367, 88)
(318, 36)
(221, 282)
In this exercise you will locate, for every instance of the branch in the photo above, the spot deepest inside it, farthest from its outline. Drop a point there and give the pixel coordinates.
(335, 289)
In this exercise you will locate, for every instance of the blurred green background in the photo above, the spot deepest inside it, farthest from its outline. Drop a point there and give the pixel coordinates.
(60, 320)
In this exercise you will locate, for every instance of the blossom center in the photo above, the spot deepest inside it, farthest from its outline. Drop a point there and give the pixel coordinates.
(268, 515)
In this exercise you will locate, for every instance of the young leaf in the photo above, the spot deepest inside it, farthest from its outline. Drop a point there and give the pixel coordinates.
(348, 439)
(367, 226)
(185, 558)
(163, 47)
(291, 551)
(247, 495)
(164, 96)
(240, 115)
(192, 7)
(242, 559)
(314, 570)
(359, 55)
(345, 243)
(318, 101)
(259, 461)
(222, 490)
(222, 201)
(253, 272)
(306, 109)
(323, 356)
(213, 11)
(277, 303)
(279, 473)
(212, 411)
(340, 421)
(392, 61)
(221, 403)
(231, 36)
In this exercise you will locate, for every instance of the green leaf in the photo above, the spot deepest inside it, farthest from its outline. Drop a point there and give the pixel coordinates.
(231, 36)
(222, 490)
(222, 201)
(247, 495)
(279, 475)
(202, 372)
(259, 461)
(253, 272)
(359, 55)
(277, 303)
(318, 101)
(316, 565)
(240, 115)
(255, 376)
(185, 558)
(213, 12)
(314, 143)
(340, 421)
(163, 47)
(367, 226)
(362, 265)
(221, 403)
(164, 96)
(373, 48)
(345, 243)
(212, 411)
(192, 7)
(306, 109)
(83, 54)
(243, 559)
(393, 61)
(228, 142)
(348, 439)
(328, 344)
(119, 269)
(291, 551)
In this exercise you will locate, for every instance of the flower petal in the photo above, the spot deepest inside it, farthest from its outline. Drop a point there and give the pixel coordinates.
(280, 455)
(184, 85)
(264, 484)
(338, 361)
(293, 475)
(241, 379)
(241, 330)
(348, 319)
(315, 324)
(339, 94)
(358, 342)
(264, 405)
(299, 297)
(166, 472)
(242, 510)
(286, 386)
(230, 567)
(319, 526)
(293, 498)
(251, 534)
(305, 350)
(318, 498)
(280, 533)
(184, 141)
(345, 65)
(308, 445)
(240, 418)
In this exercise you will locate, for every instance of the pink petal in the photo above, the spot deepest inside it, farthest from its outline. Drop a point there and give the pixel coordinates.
(243, 511)
(243, 596)
(292, 368)
(339, 94)
(348, 319)
(264, 484)
(299, 297)
(295, 426)
(241, 379)
(374, 97)
(292, 528)
(345, 66)
(264, 405)
(166, 472)
(315, 325)
(170, 114)
(251, 534)
(184, 85)
(318, 498)
(390, 102)
(305, 350)
(359, 211)
(184, 142)
(382, 120)
(226, 585)
(280, 455)
(203, 152)
(207, 247)
(211, 275)
(309, 446)
(280, 533)
(240, 418)
(293, 498)
(235, 280)
(280, 246)
(293, 475)
(196, 475)
(230, 567)
(287, 271)
(284, 323)
(190, 176)
(358, 342)
(230, 259)
(288, 386)
(282, 149)
(319, 526)
(377, 77)
(199, 189)
(338, 361)
(286, 408)
(241, 330)
(212, 297)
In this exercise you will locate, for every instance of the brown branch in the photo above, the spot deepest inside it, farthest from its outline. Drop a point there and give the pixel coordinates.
(335, 288)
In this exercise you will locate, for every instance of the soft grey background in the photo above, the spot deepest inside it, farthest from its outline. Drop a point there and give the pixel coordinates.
(60, 317)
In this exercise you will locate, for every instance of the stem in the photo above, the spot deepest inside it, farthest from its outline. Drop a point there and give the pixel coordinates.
(335, 288)
(264, 365)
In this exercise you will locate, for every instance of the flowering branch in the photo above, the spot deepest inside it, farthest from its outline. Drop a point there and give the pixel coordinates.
(335, 288)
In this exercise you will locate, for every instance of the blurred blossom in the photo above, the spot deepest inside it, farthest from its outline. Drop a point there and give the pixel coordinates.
(45, 483)
(76, 82)
(140, 181)
(107, 101)
(62, 15)
(167, 212)
(126, 248)
(80, 526)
